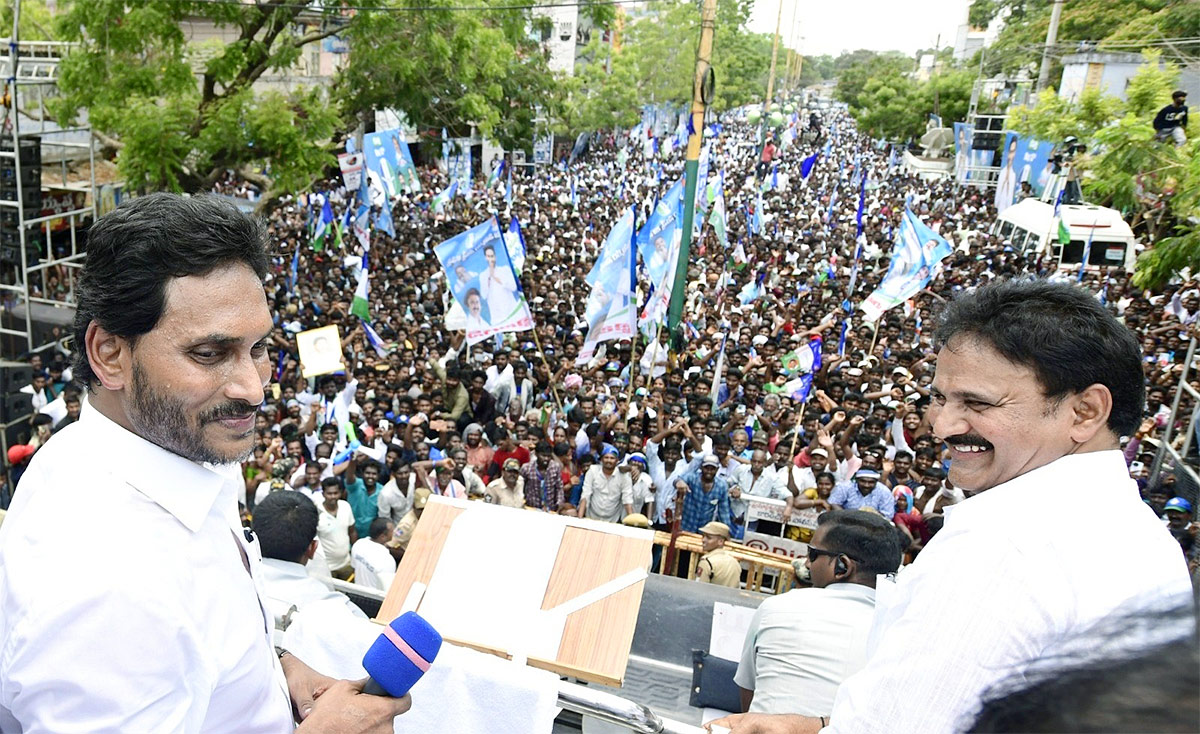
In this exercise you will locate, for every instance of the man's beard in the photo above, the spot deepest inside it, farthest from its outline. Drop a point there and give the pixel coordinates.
(162, 420)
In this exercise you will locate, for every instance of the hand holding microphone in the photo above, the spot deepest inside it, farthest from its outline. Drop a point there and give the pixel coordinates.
(395, 662)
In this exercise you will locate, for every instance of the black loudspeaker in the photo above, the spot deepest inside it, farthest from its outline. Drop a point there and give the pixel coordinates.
(16, 404)
(14, 376)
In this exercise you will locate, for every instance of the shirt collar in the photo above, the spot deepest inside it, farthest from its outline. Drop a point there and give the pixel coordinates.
(183, 488)
(1100, 472)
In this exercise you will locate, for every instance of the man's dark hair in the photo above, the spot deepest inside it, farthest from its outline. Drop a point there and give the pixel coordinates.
(331, 482)
(285, 523)
(1135, 670)
(1059, 331)
(378, 526)
(863, 536)
(133, 252)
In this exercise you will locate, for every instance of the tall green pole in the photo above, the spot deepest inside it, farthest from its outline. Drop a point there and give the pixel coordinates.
(708, 17)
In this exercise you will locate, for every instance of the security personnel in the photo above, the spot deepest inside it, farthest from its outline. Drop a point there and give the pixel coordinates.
(717, 565)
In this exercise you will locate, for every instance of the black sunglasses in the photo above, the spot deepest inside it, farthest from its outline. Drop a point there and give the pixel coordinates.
(815, 553)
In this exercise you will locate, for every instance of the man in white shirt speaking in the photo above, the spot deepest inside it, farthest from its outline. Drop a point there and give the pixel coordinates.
(160, 626)
(802, 644)
(1035, 385)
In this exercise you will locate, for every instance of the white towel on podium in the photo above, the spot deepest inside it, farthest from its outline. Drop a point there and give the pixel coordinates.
(463, 692)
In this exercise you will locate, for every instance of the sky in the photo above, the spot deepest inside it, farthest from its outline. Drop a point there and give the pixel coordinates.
(833, 26)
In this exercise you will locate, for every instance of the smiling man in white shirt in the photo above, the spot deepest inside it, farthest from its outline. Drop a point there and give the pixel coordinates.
(160, 626)
(1035, 385)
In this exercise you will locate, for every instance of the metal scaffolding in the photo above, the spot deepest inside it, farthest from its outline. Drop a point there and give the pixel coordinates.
(29, 256)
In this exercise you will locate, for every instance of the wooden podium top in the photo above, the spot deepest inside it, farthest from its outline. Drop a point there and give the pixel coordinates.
(596, 639)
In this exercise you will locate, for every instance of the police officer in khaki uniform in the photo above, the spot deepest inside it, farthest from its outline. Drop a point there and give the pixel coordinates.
(408, 524)
(717, 565)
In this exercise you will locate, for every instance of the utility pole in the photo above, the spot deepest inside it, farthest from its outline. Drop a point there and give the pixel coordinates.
(1051, 38)
(937, 46)
(793, 53)
(702, 88)
(774, 55)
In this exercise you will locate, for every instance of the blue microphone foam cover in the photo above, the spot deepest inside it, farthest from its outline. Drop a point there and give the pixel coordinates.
(391, 667)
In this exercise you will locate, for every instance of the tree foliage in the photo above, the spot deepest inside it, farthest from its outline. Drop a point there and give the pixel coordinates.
(451, 69)
(1136, 23)
(177, 113)
(135, 73)
(1154, 184)
(657, 61)
(889, 102)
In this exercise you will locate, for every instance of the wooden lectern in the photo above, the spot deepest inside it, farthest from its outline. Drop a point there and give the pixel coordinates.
(596, 639)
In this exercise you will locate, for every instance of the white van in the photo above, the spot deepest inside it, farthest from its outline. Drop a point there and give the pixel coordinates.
(1030, 227)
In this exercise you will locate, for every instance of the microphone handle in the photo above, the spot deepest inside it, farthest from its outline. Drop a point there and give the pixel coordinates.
(374, 689)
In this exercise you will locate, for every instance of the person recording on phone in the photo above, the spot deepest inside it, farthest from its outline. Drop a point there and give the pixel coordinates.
(161, 626)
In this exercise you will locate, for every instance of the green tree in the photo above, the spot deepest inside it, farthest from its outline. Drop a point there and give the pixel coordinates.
(657, 62)
(134, 71)
(1143, 22)
(449, 69)
(889, 102)
(1054, 118)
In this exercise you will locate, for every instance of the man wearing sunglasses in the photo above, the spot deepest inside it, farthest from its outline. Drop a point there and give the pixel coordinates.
(802, 644)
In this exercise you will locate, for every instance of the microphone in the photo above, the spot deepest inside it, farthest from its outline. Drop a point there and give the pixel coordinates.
(400, 656)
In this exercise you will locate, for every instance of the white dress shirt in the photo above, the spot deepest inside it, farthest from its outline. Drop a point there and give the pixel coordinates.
(606, 494)
(763, 485)
(373, 564)
(802, 644)
(1001, 587)
(154, 627)
(289, 584)
(333, 533)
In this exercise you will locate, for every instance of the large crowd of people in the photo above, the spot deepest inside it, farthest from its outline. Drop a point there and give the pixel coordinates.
(518, 421)
(649, 432)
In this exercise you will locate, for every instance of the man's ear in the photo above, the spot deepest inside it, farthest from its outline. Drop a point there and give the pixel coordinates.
(110, 356)
(1091, 409)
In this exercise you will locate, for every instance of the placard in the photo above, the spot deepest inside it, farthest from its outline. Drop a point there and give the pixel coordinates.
(320, 351)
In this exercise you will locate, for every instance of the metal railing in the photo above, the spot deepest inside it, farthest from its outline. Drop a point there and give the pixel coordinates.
(616, 710)
(579, 699)
(1187, 480)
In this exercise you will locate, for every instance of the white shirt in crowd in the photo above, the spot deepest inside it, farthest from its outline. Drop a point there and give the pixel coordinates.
(289, 584)
(373, 564)
(157, 628)
(1002, 587)
(802, 644)
(333, 532)
(393, 503)
(606, 494)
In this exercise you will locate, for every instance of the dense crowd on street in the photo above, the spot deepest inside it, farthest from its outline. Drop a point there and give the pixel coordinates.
(634, 435)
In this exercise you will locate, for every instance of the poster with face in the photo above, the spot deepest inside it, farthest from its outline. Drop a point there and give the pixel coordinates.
(964, 133)
(1006, 184)
(484, 283)
(320, 351)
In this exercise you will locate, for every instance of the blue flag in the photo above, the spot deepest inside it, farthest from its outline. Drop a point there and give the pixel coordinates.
(656, 240)
(514, 240)
(1087, 254)
(294, 276)
(383, 220)
(497, 172)
(916, 253)
(862, 200)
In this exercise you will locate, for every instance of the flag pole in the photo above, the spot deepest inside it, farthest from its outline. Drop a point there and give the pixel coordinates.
(702, 90)
(542, 354)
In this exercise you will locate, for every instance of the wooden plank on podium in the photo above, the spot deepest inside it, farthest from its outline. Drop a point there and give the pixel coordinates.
(596, 639)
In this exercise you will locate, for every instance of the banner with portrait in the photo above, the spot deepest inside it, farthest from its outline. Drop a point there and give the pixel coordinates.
(389, 166)
(483, 281)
